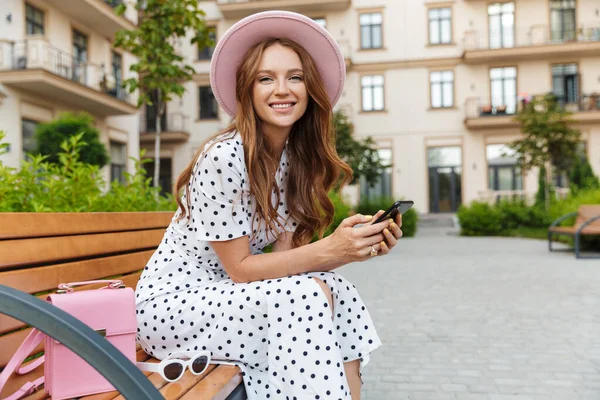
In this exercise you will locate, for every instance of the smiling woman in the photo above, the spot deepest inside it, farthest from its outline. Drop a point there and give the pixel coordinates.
(295, 328)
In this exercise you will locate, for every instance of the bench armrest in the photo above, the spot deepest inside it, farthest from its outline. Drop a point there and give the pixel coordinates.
(80, 339)
(587, 222)
(561, 219)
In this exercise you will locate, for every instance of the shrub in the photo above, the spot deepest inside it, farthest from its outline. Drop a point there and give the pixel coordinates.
(50, 136)
(342, 210)
(70, 185)
(480, 219)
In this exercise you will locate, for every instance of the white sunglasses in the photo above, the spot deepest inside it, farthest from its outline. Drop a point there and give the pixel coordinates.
(172, 368)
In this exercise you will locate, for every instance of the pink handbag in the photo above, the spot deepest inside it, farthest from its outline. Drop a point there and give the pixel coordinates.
(110, 311)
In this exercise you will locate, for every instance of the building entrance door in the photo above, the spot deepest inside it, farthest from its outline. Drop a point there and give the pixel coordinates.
(445, 179)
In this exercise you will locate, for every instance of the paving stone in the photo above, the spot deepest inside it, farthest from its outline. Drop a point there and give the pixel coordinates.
(499, 318)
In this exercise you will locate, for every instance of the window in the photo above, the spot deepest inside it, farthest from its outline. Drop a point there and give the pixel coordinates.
(442, 89)
(503, 82)
(28, 136)
(321, 21)
(208, 104)
(117, 72)
(80, 57)
(118, 161)
(371, 35)
(565, 83)
(34, 20)
(502, 25)
(372, 93)
(382, 187)
(205, 53)
(440, 26)
(562, 20)
(503, 171)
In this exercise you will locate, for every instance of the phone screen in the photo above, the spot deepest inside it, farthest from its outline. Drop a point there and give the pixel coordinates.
(400, 206)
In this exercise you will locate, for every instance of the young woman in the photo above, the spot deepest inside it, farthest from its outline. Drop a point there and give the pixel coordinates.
(296, 329)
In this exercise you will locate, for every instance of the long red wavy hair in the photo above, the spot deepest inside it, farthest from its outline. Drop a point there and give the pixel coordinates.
(315, 164)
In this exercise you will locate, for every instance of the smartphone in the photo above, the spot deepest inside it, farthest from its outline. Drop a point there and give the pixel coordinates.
(400, 206)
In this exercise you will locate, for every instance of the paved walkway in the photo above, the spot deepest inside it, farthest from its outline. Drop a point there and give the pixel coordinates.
(481, 318)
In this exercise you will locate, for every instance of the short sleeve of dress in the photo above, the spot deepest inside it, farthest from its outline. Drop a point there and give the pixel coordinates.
(217, 189)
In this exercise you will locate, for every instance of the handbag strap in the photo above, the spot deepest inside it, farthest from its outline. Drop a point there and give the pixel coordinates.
(31, 342)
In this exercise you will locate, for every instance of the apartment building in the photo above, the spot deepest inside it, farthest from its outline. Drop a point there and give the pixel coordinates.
(436, 84)
(57, 56)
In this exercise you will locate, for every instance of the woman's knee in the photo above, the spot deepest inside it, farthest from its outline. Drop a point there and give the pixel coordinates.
(326, 291)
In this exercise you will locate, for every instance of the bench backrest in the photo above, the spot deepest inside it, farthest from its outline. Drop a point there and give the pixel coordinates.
(586, 212)
(40, 250)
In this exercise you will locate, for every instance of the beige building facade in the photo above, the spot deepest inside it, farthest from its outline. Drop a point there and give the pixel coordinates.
(436, 84)
(57, 56)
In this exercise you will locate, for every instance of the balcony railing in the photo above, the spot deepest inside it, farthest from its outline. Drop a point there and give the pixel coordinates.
(171, 122)
(479, 107)
(39, 54)
(535, 35)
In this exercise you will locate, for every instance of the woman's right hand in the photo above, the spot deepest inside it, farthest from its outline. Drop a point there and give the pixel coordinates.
(350, 244)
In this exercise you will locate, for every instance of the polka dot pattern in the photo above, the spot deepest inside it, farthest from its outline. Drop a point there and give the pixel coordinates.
(281, 332)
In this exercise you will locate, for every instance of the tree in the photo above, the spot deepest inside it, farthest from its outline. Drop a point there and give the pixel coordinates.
(160, 69)
(582, 176)
(548, 140)
(359, 154)
(50, 136)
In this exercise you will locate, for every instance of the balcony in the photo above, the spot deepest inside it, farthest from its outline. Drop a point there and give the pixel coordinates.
(174, 129)
(481, 113)
(37, 67)
(242, 8)
(97, 15)
(528, 43)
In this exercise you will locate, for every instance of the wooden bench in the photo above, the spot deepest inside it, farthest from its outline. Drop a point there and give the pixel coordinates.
(587, 222)
(40, 250)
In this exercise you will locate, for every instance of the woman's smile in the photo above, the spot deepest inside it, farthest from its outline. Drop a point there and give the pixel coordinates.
(283, 107)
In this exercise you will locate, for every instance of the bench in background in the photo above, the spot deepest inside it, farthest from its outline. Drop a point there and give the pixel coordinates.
(586, 223)
(40, 250)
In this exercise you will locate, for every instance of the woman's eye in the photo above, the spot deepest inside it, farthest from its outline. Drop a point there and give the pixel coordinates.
(296, 78)
(264, 79)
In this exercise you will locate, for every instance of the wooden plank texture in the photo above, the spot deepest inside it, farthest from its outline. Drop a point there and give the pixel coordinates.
(25, 225)
(217, 385)
(21, 252)
(8, 324)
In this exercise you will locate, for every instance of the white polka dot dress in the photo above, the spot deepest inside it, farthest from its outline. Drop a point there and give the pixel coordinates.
(281, 332)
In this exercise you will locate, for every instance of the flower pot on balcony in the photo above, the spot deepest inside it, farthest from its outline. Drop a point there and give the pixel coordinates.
(486, 110)
(501, 109)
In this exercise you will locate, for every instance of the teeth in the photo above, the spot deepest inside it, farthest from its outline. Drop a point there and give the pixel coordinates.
(282, 105)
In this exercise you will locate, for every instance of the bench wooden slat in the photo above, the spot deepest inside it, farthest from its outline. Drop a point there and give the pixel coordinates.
(8, 324)
(570, 230)
(585, 212)
(16, 253)
(177, 389)
(11, 342)
(19, 225)
(41, 279)
(222, 381)
(140, 355)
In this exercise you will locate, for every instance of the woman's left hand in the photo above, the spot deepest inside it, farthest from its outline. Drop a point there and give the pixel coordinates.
(391, 235)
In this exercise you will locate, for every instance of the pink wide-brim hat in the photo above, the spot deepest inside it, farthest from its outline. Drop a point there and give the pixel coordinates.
(232, 47)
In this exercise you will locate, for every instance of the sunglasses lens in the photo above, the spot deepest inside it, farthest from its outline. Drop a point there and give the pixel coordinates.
(173, 371)
(199, 364)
